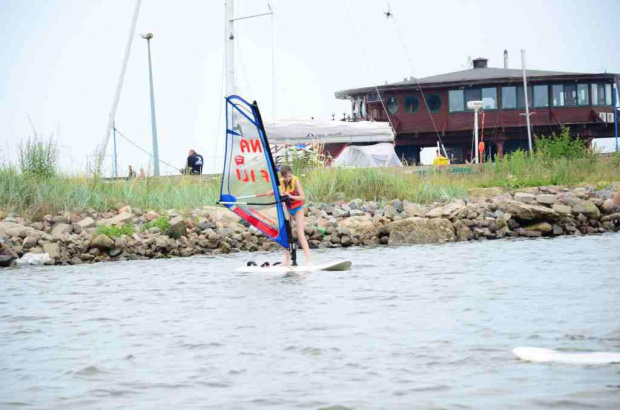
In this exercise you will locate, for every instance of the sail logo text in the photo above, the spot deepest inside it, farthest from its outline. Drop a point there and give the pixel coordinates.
(245, 176)
(252, 145)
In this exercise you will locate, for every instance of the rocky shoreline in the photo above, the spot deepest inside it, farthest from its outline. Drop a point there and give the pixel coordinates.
(489, 213)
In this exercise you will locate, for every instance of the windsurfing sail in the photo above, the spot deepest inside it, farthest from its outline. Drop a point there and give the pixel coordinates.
(250, 180)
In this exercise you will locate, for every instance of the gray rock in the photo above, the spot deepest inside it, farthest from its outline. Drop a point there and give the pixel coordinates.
(412, 209)
(524, 197)
(30, 242)
(526, 212)
(609, 207)
(546, 199)
(178, 228)
(463, 233)
(543, 227)
(52, 249)
(563, 210)
(120, 219)
(588, 209)
(61, 229)
(416, 230)
(86, 223)
(102, 242)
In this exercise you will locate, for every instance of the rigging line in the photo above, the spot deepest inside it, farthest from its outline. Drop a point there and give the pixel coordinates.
(400, 38)
(346, 6)
(146, 152)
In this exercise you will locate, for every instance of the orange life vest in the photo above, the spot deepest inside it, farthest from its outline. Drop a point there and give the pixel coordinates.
(291, 189)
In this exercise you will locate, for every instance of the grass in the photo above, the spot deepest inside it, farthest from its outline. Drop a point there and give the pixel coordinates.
(162, 223)
(36, 197)
(112, 231)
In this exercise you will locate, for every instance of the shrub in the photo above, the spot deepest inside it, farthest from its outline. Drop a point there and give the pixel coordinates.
(560, 146)
(38, 157)
(162, 223)
(113, 231)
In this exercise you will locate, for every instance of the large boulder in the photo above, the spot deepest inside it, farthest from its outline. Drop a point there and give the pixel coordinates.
(10, 229)
(528, 212)
(220, 216)
(588, 209)
(361, 226)
(178, 227)
(52, 249)
(416, 230)
(456, 209)
(102, 242)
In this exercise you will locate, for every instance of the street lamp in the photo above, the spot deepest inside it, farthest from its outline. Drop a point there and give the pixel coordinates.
(476, 106)
(148, 37)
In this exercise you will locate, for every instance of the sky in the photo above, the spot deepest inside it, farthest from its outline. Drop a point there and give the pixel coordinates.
(61, 61)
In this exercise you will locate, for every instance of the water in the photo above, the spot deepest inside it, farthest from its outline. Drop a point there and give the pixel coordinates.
(409, 327)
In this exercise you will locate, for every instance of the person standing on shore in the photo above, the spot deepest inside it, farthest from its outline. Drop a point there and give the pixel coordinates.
(291, 187)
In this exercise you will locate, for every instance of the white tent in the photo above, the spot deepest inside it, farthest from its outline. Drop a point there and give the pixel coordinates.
(308, 131)
(368, 156)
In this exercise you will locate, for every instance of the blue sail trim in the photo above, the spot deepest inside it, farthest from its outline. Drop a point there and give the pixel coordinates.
(251, 206)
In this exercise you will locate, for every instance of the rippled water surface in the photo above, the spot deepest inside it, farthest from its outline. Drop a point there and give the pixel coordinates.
(408, 327)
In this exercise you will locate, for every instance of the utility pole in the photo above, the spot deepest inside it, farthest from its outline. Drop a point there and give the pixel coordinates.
(527, 108)
(115, 160)
(148, 38)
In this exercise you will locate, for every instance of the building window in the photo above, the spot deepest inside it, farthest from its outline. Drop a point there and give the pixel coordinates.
(521, 97)
(392, 105)
(434, 102)
(582, 94)
(412, 104)
(489, 98)
(541, 96)
(570, 95)
(608, 96)
(472, 94)
(457, 100)
(509, 97)
(557, 95)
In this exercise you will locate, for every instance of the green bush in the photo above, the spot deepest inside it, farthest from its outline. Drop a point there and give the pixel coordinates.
(38, 157)
(113, 231)
(162, 223)
(560, 146)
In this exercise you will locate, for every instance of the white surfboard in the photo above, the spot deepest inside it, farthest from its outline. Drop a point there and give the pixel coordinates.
(332, 266)
(541, 355)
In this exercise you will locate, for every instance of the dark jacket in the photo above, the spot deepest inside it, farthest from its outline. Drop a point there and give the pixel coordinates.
(195, 163)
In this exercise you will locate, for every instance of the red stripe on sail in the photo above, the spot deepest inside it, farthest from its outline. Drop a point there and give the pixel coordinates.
(254, 221)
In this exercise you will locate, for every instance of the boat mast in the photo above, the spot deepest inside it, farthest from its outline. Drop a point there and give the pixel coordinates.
(230, 48)
(527, 108)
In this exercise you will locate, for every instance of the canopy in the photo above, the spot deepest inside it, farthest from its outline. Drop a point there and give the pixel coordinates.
(307, 131)
(368, 156)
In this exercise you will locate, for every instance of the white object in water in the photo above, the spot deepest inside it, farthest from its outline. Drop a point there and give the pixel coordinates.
(542, 355)
(34, 259)
(332, 266)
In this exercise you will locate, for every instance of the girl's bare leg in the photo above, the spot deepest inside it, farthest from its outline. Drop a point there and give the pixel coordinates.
(287, 258)
(301, 235)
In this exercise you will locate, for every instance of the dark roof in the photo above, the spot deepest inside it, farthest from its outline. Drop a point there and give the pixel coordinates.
(478, 74)
(475, 76)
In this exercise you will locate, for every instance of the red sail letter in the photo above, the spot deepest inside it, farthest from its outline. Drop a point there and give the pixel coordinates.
(256, 146)
(244, 145)
(265, 175)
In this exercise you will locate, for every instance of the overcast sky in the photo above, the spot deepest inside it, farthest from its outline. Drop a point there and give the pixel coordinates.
(61, 60)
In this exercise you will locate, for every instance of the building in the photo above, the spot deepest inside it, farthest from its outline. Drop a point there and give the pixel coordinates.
(426, 110)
